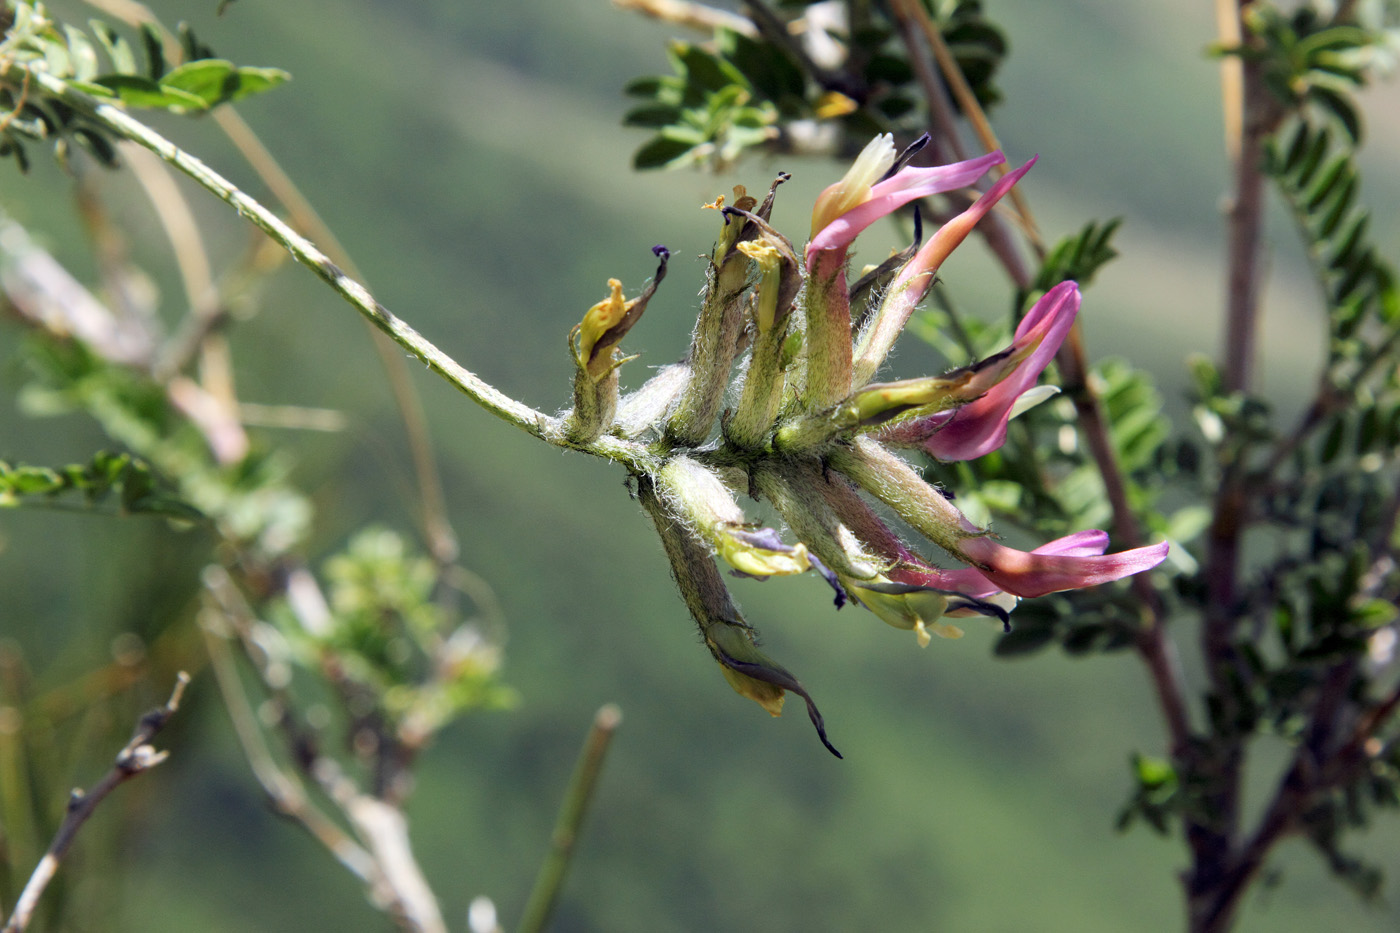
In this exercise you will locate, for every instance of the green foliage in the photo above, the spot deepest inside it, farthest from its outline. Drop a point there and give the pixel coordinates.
(1075, 258)
(133, 481)
(708, 110)
(1155, 797)
(390, 646)
(250, 501)
(198, 83)
(1317, 176)
(740, 92)
(1310, 59)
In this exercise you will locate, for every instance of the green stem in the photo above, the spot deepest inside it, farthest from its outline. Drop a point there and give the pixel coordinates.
(550, 880)
(116, 121)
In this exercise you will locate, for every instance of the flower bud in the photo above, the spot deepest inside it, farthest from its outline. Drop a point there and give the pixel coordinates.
(779, 280)
(594, 344)
(698, 496)
(906, 606)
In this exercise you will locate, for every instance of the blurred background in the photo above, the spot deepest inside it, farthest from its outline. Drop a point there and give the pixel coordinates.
(470, 157)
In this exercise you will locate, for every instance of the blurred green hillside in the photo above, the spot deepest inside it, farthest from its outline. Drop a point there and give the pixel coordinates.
(469, 155)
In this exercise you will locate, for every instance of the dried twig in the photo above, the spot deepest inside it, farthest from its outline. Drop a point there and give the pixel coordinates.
(136, 757)
(690, 15)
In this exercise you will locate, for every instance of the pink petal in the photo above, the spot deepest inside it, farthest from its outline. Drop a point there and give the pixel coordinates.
(908, 184)
(1036, 574)
(927, 260)
(979, 427)
(914, 280)
(972, 582)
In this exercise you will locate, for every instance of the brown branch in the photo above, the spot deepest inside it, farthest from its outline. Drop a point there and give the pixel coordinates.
(690, 15)
(136, 757)
(1213, 845)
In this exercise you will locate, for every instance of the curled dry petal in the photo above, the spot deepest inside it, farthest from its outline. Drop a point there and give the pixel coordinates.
(606, 323)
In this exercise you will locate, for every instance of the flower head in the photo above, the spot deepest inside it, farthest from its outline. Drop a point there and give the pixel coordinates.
(978, 427)
(805, 427)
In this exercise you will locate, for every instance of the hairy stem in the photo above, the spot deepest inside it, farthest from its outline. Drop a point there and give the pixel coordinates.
(536, 423)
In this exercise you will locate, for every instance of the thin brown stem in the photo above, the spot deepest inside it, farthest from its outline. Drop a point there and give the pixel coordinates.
(136, 757)
(690, 15)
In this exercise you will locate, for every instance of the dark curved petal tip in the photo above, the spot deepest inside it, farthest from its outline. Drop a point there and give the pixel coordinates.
(910, 151)
(782, 678)
(816, 718)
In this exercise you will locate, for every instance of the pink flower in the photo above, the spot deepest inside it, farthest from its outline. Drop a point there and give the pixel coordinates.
(972, 582)
(979, 427)
(1066, 564)
(860, 198)
(915, 279)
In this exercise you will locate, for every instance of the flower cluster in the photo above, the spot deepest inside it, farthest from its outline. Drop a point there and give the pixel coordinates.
(805, 427)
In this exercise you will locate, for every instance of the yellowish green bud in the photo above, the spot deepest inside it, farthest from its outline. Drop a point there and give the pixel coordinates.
(905, 606)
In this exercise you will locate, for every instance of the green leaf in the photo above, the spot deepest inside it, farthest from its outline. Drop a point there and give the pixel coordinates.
(1153, 773)
(28, 481)
(97, 144)
(768, 69)
(652, 115)
(117, 48)
(253, 80)
(643, 87)
(155, 51)
(1332, 443)
(706, 70)
(1373, 613)
(1342, 108)
(1320, 143)
(659, 152)
(81, 53)
(142, 92)
(1337, 168)
(209, 79)
(1188, 522)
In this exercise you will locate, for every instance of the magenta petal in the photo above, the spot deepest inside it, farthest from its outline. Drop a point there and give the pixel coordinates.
(964, 580)
(974, 583)
(1036, 574)
(1089, 543)
(979, 427)
(908, 184)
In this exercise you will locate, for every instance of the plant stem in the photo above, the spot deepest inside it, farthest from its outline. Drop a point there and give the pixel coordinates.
(550, 880)
(117, 121)
(1219, 874)
(136, 757)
